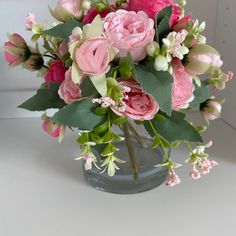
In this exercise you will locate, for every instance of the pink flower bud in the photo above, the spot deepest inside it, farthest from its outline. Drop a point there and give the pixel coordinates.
(67, 10)
(211, 109)
(53, 129)
(202, 58)
(16, 50)
(183, 23)
(195, 175)
(230, 75)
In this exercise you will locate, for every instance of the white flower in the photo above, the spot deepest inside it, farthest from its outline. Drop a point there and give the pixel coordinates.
(153, 48)
(110, 166)
(174, 45)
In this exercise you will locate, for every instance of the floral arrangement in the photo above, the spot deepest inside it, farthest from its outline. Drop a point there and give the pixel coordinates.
(104, 64)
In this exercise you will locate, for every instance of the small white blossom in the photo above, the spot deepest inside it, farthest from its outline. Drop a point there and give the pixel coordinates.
(174, 44)
(161, 63)
(110, 165)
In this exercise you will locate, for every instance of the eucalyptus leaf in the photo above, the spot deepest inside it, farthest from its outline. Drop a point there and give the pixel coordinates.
(156, 83)
(174, 128)
(80, 114)
(201, 94)
(46, 98)
(64, 30)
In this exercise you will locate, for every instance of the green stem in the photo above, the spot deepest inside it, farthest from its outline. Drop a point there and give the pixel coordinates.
(161, 143)
(137, 136)
(133, 162)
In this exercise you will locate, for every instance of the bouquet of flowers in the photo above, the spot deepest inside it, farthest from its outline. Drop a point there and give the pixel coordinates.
(105, 64)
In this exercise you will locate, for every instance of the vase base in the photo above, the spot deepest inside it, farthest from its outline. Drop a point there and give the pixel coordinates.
(123, 181)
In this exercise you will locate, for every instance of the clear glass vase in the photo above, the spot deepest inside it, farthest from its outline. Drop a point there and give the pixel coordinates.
(138, 173)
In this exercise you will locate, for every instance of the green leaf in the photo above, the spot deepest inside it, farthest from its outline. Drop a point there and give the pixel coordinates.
(201, 94)
(162, 23)
(79, 114)
(109, 149)
(175, 128)
(156, 142)
(87, 88)
(46, 98)
(156, 83)
(126, 67)
(63, 31)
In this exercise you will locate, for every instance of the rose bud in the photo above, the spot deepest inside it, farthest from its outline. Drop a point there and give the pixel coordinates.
(202, 58)
(56, 72)
(67, 10)
(53, 129)
(16, 50)
(34, 63)
(211, 109)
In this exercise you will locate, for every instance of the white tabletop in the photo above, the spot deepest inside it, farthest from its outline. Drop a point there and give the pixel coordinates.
(43, 193)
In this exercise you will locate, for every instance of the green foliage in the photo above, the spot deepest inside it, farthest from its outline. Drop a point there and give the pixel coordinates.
(156, 83)
(201, 94)
(162, 23)
(46, 98)
(174, 128)
(79, 114)
(64, 30)
(126, 68)
(87, 88)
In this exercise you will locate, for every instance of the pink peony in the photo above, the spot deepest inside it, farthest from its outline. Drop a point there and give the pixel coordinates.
(69, 91)
(137, 104)
(92, 13)
(153, 7)
(183, 87)
(92, 57)
(130, 32)
(16, 50)
(56, 72)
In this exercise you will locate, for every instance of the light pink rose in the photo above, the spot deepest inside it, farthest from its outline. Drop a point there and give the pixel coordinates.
(69, 91)
(16, 50)
(137, 104)
(56, 72)
(130, 32)
(30, 21)
(151, 7)
(183, 87)
(93, 57)
(72, 6)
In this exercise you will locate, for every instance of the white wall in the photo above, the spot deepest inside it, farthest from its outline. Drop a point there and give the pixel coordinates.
(218, 14)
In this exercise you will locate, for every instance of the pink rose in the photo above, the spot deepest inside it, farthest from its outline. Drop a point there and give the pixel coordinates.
(130, 32)
(183, 87)
(176, 11)
(92, 13)
(151, 7)
(137, 104)
(93, 57)
(16, 50)
(69, 91)
(72, 7)
(56, 72)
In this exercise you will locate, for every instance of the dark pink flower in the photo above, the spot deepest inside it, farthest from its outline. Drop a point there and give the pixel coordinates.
(56, 72)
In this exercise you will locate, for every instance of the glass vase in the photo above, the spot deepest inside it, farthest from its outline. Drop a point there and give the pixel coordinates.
(138, 173)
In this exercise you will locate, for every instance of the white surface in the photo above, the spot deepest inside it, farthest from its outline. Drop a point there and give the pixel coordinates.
(42, 192)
